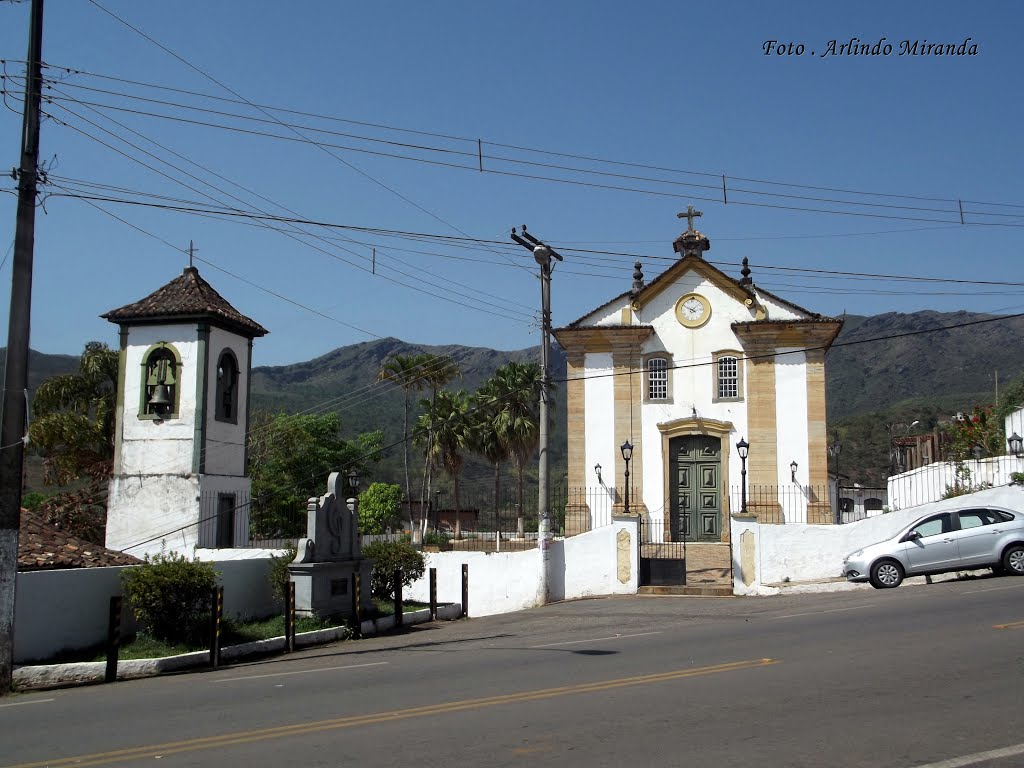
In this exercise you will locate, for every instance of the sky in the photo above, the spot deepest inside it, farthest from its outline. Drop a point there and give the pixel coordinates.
(362, 129)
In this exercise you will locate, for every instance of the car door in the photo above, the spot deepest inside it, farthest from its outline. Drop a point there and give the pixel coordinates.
(931, 545)
(977, 537)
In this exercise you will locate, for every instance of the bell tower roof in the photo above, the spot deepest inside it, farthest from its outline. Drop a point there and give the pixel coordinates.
(187, 297)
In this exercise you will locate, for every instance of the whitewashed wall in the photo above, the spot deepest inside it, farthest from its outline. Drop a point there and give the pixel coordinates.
(69, 609)
(225, 441)
(805, 553)
(503, 582)
(929, 483)
(1014, 423)
(146, 512)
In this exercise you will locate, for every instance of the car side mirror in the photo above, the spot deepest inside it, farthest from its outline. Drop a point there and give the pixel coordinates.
(912, 536)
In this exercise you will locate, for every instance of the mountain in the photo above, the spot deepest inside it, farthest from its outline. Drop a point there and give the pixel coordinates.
(882, 369)
(886, 360)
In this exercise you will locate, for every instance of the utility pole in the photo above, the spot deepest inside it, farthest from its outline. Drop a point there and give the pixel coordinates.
(543, 255)
(12, 446)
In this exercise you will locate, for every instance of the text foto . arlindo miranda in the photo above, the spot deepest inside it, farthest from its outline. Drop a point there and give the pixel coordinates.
(855, 47)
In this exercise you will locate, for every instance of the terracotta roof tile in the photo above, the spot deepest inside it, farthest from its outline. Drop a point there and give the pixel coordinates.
(43, 546)
(186, 297)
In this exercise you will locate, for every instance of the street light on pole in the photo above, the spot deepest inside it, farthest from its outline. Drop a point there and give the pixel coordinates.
(545, 258)
(627, 454)
(741, 448)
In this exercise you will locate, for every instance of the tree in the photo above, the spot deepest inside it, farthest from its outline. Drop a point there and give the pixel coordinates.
(449, 420)
(409, 372)
(484, 438)
(74, 416)
(438, 370)
(290, 457)
(514, 393)
(379, 507)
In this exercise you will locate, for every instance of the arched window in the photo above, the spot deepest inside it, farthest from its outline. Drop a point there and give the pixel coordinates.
(226, 406)
(161, 368)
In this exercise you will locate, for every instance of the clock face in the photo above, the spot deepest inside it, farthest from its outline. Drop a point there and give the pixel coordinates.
(693, 310)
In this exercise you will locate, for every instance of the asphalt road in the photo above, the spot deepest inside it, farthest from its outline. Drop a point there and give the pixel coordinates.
(918, 676)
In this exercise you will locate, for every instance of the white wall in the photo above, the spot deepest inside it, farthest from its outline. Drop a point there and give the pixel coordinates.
(502, 582)
(929, 483)
(802, 553)
(150, 447)
(225, 441)
(1014, 423)
(143, 512)
(69, 609)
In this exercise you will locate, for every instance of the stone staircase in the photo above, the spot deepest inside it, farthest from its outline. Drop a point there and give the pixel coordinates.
(708, 573)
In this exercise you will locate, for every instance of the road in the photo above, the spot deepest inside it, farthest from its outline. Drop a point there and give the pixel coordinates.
(917, 676)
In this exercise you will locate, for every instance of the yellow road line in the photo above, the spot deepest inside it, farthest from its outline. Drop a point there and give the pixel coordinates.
(1011, 625)
(263, 734)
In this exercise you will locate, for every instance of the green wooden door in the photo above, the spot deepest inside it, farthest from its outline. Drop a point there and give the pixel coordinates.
(696, 512)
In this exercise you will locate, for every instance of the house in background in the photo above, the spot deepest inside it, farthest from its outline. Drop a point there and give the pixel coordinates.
(180, 472)
(685, 368)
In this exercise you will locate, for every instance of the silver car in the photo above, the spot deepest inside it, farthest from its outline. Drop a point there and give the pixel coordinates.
(976, 537)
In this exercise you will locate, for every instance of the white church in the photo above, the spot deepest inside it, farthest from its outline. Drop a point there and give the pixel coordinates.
(180, 465)
(691, 371)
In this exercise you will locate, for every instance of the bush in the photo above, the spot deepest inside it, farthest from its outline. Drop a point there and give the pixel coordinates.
(379, 508)
(391, 556)
(436, 539)
(278, 576)
(171, 596)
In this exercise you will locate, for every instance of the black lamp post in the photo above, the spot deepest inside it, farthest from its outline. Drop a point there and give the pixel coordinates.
(627, 454)
(1016, 445)
(741, 448)
(353, 481)
(834, 450)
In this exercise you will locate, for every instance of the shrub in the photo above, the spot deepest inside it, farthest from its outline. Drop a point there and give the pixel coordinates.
(278, 576)
(391, 556)
(33, 499)
(171, 596)
(436, 539)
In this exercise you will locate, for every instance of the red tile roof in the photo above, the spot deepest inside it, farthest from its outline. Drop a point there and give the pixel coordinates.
(187, 297)
(43, 546)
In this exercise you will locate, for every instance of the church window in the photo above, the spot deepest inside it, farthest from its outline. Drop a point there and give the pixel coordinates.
(659, 378)
(225, 520)
(226, 405)
(161, 369)
(728, 372)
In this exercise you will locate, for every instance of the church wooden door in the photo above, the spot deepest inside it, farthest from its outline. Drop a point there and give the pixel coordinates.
(696, 470)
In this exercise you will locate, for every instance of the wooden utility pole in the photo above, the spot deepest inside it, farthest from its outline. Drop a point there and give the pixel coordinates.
(15, 394)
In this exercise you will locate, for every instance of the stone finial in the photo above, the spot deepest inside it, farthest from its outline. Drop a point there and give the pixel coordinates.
(745, 280)
(638, 279)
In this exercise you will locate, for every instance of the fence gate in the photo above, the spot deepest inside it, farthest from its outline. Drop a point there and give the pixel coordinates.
(661, 563)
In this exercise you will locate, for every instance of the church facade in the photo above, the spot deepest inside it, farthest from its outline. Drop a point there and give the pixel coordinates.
(691, 371)
(180, 475)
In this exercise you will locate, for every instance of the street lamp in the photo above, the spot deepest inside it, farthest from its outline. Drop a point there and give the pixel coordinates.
(741, 448)
(1016, 445)
(834, 450)
(597, 470)
(353, 480)
(792, 470)
(977, 450)
(627, 454)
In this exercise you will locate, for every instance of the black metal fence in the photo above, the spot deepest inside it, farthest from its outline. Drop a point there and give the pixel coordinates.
(481, 524)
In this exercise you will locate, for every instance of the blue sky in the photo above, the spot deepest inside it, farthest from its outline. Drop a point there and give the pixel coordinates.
(666, 85)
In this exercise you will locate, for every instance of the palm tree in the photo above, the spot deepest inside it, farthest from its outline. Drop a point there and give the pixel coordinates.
(514, 390)
(485, 438)
(447, 419)
(408, 372)
(437, 370)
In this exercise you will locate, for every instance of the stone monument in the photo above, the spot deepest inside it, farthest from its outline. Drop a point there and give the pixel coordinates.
(330, 556)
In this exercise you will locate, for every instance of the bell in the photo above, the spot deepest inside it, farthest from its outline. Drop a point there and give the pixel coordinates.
(161, 397)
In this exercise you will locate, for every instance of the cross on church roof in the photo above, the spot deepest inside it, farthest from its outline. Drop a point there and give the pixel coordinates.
(690, 215)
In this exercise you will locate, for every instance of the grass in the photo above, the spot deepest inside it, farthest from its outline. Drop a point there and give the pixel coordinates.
(142, 646)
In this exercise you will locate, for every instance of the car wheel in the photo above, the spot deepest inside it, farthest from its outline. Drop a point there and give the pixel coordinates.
(886, 574)
(1013, 560)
